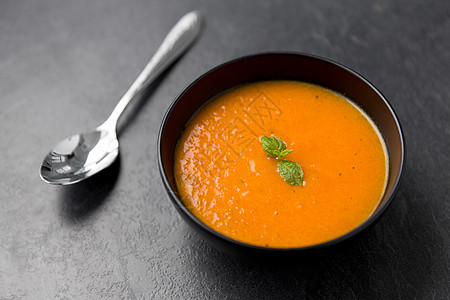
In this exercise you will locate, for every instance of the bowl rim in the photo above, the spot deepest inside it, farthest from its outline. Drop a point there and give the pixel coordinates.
(374, 216)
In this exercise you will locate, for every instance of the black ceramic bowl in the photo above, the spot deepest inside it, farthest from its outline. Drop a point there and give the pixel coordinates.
(269, 66)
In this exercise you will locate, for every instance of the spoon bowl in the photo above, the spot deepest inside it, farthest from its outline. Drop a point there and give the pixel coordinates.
(83, 155)
(80, 156)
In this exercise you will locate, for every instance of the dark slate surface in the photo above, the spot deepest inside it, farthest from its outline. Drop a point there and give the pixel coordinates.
(65, 64)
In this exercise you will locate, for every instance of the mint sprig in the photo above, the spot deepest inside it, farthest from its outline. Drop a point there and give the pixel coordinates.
(274, 147)
(291, 171)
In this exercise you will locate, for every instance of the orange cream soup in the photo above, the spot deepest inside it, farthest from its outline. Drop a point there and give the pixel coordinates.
(226, 180)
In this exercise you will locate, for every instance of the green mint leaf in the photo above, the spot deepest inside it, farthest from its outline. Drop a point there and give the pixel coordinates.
(291, 172)
(274, 147)
(284, 153)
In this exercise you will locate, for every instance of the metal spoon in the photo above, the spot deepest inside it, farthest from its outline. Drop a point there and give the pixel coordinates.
(83, 155)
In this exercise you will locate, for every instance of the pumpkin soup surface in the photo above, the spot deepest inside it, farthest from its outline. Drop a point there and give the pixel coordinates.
(228, 182)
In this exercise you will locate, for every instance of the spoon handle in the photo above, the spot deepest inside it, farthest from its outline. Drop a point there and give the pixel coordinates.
(176, 42)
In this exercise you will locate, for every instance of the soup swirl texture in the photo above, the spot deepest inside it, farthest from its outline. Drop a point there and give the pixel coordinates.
(228, 182)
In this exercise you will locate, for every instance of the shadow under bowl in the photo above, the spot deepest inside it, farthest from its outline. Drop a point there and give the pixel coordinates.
(278, 66)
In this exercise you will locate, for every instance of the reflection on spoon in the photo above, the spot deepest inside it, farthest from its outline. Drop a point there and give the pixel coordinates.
(83, 155)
